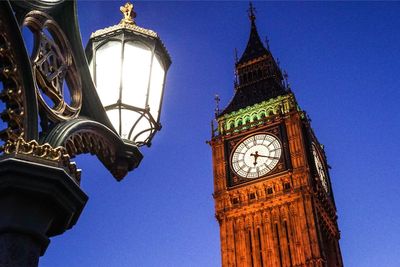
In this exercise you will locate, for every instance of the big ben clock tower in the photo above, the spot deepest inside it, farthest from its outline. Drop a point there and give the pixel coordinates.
(272, 190)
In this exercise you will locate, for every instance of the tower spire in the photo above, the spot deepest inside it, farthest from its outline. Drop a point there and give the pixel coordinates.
(257, 74)
(252, 12)
(255, 47)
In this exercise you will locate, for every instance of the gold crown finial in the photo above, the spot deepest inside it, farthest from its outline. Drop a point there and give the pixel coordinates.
(129, 14)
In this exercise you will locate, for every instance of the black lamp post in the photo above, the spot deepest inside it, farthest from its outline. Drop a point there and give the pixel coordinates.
(52, 113)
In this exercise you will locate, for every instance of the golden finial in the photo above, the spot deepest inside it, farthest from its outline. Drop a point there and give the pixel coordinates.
(129, 14)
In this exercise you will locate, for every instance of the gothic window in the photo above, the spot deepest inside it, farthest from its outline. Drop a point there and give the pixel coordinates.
(250, 251)
(288, 242)
(260, 247)
(286, 186)
(252, 196)
(235, 201)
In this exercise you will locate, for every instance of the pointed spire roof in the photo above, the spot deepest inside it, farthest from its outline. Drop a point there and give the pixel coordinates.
(255, 47)
(258, 76)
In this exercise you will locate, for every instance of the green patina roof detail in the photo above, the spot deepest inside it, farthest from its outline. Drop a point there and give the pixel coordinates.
(253, 115)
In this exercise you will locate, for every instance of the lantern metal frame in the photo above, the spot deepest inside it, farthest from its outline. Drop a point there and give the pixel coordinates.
(131, 33)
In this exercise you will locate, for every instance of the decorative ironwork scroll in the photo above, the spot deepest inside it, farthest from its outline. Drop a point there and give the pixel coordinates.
(11, 94)
(53, 65)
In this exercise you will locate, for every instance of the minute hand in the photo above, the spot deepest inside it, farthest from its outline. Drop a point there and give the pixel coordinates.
(270, 157)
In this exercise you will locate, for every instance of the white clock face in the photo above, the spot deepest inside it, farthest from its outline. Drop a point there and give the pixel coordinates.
(256, 156)
(320, 168)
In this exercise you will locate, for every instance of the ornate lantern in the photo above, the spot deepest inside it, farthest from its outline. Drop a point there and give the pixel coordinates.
(51, 113)
(129, 65)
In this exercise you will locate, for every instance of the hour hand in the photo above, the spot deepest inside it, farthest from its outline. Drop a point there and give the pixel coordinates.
(255, 155)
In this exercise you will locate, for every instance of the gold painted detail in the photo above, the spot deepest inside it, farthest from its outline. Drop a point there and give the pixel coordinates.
(43, 152)
(254, 115)
(12, 90)
(129, 14)
(127, 23)
(132, 27)
(53, 65)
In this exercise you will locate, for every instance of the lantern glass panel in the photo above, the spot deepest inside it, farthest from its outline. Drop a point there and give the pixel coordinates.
(156, 86)
(108, 72)
(135, 126)
(135, 75)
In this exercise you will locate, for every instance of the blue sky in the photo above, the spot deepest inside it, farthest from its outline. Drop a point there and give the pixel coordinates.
(343, 64)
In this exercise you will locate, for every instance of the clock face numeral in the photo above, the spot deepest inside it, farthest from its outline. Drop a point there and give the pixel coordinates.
(320, 168)
(256, 156)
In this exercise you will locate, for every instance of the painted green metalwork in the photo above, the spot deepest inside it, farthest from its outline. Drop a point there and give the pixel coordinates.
(254, 115)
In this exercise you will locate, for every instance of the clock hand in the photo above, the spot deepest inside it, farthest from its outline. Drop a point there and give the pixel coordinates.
(255, 155)
(264, 156)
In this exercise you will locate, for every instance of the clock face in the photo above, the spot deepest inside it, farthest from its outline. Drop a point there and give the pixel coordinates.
(320, 168)
(255, 156)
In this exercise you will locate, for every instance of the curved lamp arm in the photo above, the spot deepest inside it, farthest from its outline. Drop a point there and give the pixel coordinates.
(80, 136)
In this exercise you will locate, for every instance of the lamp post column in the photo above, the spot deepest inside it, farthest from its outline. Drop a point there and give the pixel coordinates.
(37, 201)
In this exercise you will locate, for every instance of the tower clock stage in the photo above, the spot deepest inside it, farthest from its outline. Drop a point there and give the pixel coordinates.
(272, 190)
(256, 155)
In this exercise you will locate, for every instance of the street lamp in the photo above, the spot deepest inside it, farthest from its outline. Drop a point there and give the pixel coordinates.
(52, 112)
(128, 65)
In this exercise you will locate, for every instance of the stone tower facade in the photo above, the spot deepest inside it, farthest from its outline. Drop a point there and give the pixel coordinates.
(273, 196)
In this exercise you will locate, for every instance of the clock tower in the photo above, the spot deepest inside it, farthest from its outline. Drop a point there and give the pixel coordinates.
(272, 190)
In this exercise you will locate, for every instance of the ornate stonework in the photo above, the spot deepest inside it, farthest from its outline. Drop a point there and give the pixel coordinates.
(257, 114)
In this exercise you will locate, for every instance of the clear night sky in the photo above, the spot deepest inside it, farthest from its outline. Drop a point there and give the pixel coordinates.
(343, 64)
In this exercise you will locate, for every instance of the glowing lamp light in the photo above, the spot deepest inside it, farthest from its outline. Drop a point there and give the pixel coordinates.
(129, 65)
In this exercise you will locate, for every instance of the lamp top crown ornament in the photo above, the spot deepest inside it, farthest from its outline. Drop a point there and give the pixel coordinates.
(127, 22)
(129, 14)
